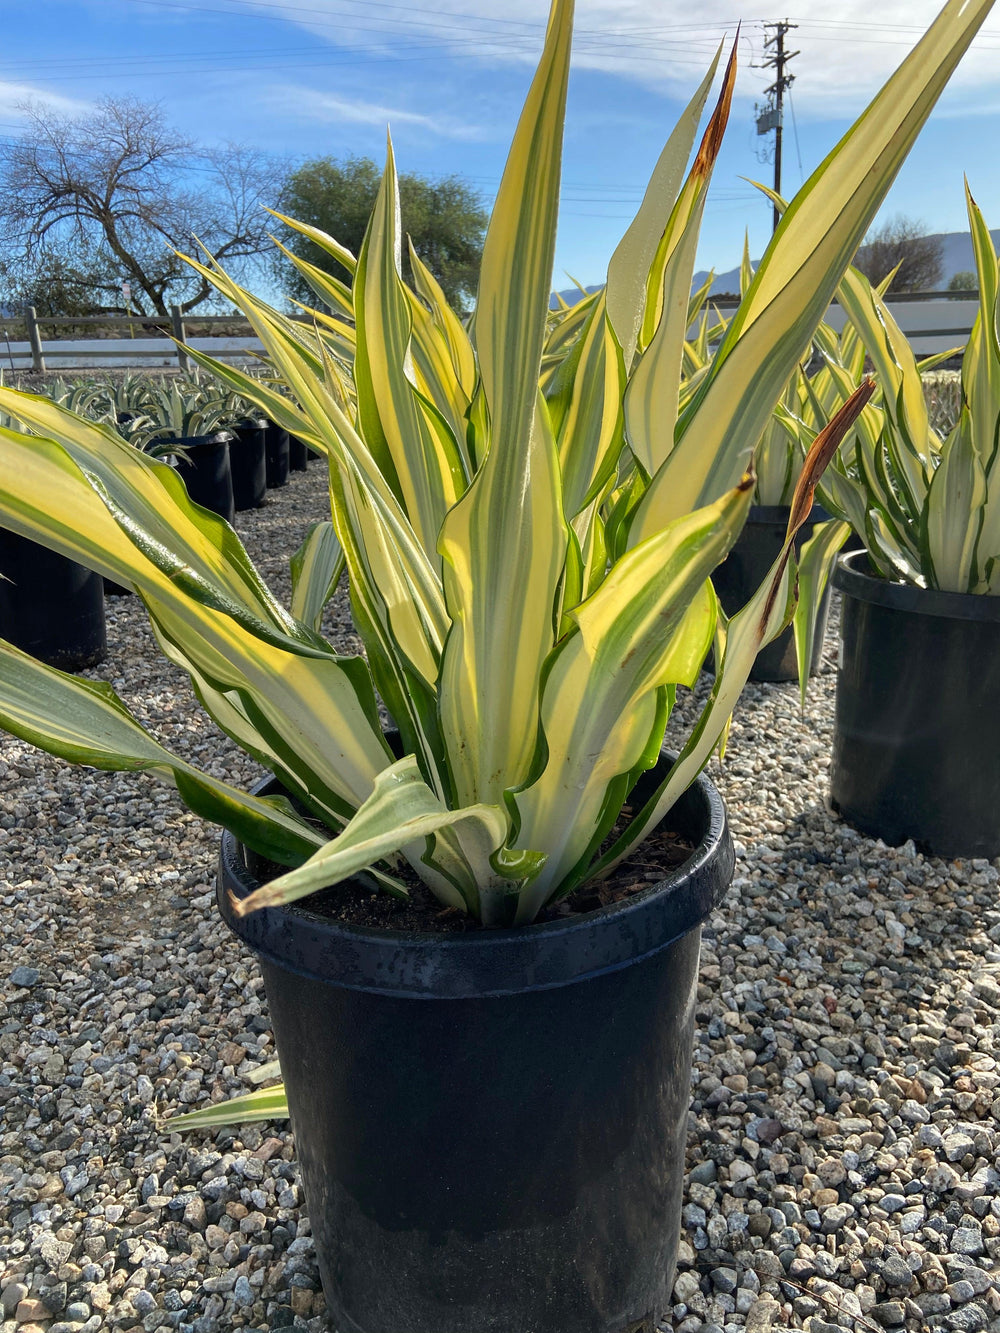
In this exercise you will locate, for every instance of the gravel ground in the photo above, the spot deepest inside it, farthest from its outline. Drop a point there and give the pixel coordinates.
(845, 1121)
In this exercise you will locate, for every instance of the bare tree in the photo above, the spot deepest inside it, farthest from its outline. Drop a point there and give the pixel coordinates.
(122, 187)
(902, 241)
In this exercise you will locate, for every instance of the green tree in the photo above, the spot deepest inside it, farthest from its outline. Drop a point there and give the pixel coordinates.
(445, 219)
(963, 281)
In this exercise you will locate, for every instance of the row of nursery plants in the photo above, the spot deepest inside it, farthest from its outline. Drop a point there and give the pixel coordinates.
(530, 508)
(226, 452)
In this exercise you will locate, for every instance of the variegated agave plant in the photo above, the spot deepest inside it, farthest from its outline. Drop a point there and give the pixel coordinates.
(927, 508)
(529, 569)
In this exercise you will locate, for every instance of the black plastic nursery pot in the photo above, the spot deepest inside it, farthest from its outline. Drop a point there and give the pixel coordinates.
(742, 572)
(112, 588)
(50, 607)
(916, 745)
(248, 464)
(277, 450)
(205, 469)
(297, 453)
(491, 1125)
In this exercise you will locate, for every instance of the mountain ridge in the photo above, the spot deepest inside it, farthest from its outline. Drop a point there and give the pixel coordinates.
(956, 256)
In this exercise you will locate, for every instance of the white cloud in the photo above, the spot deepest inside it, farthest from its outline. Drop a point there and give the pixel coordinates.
(312, 104)
(845, 54)
(13, 95)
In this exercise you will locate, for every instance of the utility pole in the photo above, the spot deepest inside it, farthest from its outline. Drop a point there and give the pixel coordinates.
(769, 116)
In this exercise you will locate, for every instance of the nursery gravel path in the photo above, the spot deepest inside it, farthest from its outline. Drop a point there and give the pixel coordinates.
(845, 1122)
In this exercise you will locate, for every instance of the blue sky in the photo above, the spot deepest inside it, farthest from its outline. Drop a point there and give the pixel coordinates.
(325, 76)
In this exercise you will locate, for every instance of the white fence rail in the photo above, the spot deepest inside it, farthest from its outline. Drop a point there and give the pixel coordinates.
(95, 353)
(149, 349)
(932, 321)
(930, 326)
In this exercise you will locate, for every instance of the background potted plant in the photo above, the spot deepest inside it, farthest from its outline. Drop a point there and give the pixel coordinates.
(803, 409)
(182, 421)
(920, 658)
(247, 449)
(50, 606)
(531, 594)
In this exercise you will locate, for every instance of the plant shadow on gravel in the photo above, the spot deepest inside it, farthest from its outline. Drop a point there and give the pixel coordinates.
(846, 1098)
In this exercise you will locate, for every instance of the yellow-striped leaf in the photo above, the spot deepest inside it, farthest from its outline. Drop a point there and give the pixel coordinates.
(248, 1109)
(459, 345)
(763, 617)
(802, 266)
(316, 708)
(585, 407)
(504, 543)
(651, 398)
(599, 703)
(953, 512)
(320, 238)
(629, 267)
(336, 294)
(426, 460)
(816, 561)
(401, 810)
(316, 569)
(85, 722)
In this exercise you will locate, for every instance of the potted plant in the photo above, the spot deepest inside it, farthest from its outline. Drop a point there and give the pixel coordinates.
(920, 604)
(490, 1121)
(247, 449)
(799, 415)
(50, 606)
(277, 451)
(248, 460)
(185, 423)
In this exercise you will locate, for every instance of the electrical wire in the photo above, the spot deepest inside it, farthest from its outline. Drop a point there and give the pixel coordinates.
(795, 133)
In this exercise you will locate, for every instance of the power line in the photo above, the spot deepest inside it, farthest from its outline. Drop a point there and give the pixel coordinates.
(152, 66)
(795, 131)
(528, 32)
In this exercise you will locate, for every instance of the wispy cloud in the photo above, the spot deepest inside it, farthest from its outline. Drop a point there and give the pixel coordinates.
(14, 95)
(312, 104)
(844, 54)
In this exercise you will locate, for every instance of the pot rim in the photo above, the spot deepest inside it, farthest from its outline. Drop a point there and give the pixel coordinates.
(196, 441)
(487, 963)
(899, 596)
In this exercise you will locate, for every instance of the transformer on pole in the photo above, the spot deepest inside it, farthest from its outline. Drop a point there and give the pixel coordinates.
(769, 115)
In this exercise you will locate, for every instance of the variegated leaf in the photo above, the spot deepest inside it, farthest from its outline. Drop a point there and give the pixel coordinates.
(799, 273)
(629, 267)
(248, 1109)
(504, 543)
(953, 512)
(599, 703)
(316, 569)
(763, 617)
(651, 397)
(816, 561)
(426, 460)
(400, 811)
(85, 722)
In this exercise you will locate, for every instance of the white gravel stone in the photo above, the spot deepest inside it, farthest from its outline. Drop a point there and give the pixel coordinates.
(845, 1114)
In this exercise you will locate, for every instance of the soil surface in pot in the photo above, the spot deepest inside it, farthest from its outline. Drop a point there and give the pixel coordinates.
(357, 904)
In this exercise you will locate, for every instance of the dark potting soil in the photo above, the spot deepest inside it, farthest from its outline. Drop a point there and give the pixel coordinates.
(360, 902)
